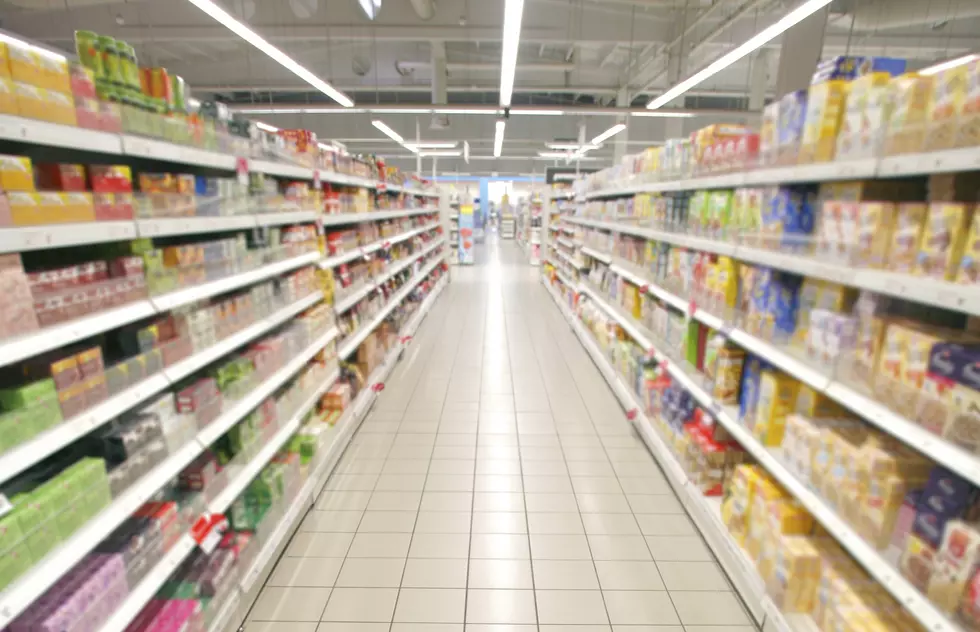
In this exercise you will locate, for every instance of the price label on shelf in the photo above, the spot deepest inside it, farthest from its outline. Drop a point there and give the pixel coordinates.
(208, 531)
(631, 414)
(316, 179)
(382, 187)
(692, 307)
(378, 387)
(644, 289)
(406, 340)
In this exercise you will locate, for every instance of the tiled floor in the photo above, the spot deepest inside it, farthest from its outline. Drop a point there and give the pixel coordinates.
(497, 485)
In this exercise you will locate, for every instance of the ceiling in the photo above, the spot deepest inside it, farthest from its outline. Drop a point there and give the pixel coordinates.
(573, 53)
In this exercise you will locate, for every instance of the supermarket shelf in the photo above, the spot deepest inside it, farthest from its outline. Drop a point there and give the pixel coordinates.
(27, 238)
(741, 571)
(24, 130)
(14, 350)
(150, 584)
(156, 577)
(595, 254)
(47, 443)
(568, 243)
(42, 575)
(354, 218)
(178, 298)
(895, 424)
(873, 561)
(203, 358)
(363, 251)
(952, 296)
(354, 340)
(18, 459)
(164, 226)
(346, 303)
(223, 618)
(139, 147)
(922, 164)
(578, 265)
(282, 218)
(228, 418)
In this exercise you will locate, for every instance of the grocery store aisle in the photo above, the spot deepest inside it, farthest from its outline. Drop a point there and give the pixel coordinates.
(497, 484)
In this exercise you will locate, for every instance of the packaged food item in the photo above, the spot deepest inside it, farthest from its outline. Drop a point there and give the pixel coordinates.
(911, 97)
(954, 564)
(968, 131)
(943, 240)
(969, 268)
(824, 109)
(949, 92)
(16, 173)
(865, 117)
(910, 220)
(789, 131)
(777, 398)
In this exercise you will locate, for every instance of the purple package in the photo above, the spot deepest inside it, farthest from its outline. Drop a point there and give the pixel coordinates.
(144, 620)
(946, 493)
(930, 525)
(905, 520)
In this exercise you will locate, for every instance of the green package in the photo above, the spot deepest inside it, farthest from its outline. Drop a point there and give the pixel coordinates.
(28, 395)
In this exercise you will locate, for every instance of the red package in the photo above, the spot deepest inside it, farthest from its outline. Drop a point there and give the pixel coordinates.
(110, 178)
(59, 177)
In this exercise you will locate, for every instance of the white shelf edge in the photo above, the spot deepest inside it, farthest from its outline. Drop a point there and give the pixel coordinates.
(185, 367)
(374, 216)
(355, 339)
(945, 294)
(42, 237)
(344, 257)
(910, 598)
(166, 226)
(347, 302)
(178, 298)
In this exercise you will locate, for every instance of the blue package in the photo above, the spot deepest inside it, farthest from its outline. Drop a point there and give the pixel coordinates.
(792, 116)
(204, 185)
(784, 304)
(793, 210)
(851, 67)
(749, 396)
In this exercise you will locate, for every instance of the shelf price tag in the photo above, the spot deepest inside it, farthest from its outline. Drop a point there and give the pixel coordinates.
(382, 187)
(692, 307)
(644, 288)
(241, 169)
(316, 179)
(406, 340)
(631, 414)
(377, 387)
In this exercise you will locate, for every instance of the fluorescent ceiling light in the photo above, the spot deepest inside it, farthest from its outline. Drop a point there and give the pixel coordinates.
(946, 65)
(370, 8)
(538, 112)
(612, 131)
(400, 110)
(414, 146)
(498, 138)
(434, 154)
(554, 154)
(664, 114)
(764, 36)
(266, 127)
(390, 133)
(513, 14)
(466, 111)
(277, 55)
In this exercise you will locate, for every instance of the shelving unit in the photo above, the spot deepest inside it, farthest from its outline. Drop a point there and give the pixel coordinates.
(422, 253)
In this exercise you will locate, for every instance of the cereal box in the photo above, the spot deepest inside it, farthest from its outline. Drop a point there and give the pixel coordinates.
(943, 240)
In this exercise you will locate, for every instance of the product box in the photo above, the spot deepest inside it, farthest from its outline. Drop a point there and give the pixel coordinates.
(968, 132)
(768, 134)
(911, 97)
(909, 227)
(949, 91)
(777, 398)
(824, 109)
(943, 240)
(865, 117)
(789, 130)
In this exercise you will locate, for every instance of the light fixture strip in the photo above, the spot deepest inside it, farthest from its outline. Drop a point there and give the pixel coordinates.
(761, 38)
(513, 14)
(387, 131)
(277, 55)
(498, 138)
(612, 131)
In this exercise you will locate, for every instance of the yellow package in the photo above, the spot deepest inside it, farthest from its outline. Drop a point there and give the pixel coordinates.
(8, 100)
(777, 398)
(824, 109)
(875, 226)
(816, 405)
(910, 221)
(60, 108)
(728, 374)
(795, 575)
(865, 116)
(969, 269)
(16, 173)
(4, 61)
(879, 511)
(726, 281)
(968, 133)
(24, 64)
(911, 97)
(31, 101)
(943, 240)
(948, 96)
